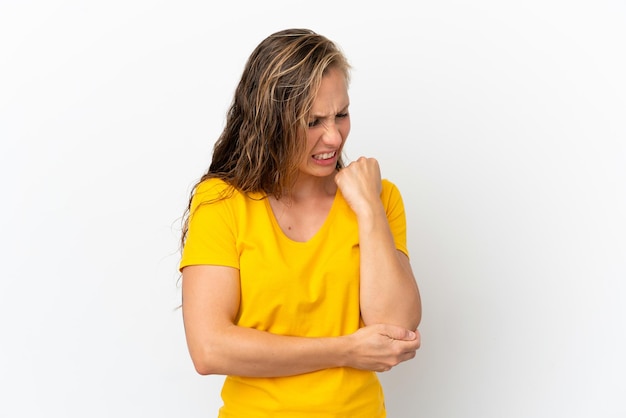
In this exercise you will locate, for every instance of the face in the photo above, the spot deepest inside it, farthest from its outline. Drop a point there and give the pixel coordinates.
(329, 126)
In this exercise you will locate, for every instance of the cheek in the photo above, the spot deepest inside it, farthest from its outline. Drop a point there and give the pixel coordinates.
(311, 140)
(345, 129)
(305, 154)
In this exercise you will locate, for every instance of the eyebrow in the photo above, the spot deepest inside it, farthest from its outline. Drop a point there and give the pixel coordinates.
(312, 116)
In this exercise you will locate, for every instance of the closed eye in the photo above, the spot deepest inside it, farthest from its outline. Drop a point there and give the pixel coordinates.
(316, 122)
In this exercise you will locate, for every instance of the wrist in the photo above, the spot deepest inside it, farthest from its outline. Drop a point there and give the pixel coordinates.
(343, 350)
(370, 212)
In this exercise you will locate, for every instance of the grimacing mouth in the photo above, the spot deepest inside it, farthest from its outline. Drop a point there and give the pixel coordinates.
(324, 156)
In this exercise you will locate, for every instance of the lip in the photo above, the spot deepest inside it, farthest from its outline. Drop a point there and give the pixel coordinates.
(326, 161)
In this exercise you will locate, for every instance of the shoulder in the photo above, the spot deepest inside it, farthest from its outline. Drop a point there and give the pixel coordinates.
(390, 190)
(218, 191)
(211, 191)
(391, 197)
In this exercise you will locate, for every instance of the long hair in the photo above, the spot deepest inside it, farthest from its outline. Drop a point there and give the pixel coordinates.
(265, 133)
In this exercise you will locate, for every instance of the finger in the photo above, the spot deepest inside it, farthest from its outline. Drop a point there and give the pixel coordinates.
(399, 333)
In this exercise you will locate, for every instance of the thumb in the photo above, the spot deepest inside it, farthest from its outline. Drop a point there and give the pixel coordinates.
(399, 333)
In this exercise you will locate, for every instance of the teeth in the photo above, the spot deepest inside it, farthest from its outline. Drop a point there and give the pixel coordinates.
(324, 156)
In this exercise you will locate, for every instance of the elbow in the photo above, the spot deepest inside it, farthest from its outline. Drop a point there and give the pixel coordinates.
(415, 322)
(416, 317)
(202, 368)
(417, 312)
(211, 352)
(408, 318)
(204, 371)
(407, 322)
(411, 321)
(204, 362)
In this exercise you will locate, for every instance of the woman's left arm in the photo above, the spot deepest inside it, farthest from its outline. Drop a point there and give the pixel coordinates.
(389, 293)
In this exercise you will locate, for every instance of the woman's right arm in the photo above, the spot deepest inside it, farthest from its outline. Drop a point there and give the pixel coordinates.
(218, 346)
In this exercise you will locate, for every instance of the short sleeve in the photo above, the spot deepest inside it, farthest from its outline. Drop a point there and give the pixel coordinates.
(394, 208)
(212, 233)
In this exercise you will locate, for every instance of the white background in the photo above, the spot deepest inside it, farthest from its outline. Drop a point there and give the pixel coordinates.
(503, 124)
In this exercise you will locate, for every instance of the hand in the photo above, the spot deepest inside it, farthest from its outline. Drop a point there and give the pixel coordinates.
(360, 184)
(380, 347)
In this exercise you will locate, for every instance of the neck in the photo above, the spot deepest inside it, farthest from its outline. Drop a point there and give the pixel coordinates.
(311, 187)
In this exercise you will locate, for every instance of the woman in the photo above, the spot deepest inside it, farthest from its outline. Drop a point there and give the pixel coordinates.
(296, 280)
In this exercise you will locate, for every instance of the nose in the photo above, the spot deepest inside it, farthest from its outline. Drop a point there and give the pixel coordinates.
(332, 135)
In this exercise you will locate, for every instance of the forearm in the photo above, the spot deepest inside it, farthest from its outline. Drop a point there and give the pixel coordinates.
(389, 293)
(239, 351)
(235, 350)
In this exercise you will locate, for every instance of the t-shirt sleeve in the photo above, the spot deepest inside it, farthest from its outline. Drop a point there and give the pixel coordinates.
(394, 207)
(211, 235)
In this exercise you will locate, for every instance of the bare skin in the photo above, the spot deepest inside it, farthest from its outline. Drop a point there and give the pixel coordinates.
(389, 293)
(218, 346)
(390, 304)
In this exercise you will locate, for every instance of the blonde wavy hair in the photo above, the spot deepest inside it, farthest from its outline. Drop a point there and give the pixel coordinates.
(265, 133)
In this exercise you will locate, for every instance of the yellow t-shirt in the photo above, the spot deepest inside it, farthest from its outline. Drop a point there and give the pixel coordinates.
(308, 289)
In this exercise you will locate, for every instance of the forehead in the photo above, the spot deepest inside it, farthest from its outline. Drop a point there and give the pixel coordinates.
(332, 94)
